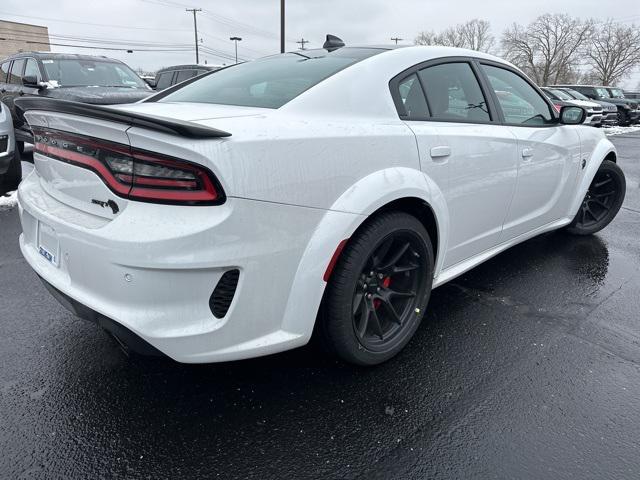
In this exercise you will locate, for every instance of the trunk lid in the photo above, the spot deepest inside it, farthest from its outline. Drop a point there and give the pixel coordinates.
(165, 129)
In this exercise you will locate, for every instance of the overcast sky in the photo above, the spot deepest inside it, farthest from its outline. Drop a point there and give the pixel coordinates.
(164, 24)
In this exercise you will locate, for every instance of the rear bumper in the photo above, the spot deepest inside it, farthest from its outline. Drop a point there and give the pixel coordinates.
(152, 270)
(126, 336)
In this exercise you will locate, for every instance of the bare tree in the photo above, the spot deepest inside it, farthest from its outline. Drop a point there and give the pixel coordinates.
(614, 52)
(548, 49)
(474, 34)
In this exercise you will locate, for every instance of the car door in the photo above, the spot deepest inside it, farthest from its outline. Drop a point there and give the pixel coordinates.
(548, 152)
(14, 86)
(460, 140)
(4, 80)
(32, 69)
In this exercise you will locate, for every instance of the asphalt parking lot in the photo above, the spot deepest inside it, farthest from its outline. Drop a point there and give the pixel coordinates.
(526, 367)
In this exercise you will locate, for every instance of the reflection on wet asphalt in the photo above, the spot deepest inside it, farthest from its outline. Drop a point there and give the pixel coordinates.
(526, 367)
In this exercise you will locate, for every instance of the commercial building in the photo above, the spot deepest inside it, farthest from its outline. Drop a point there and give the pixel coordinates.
(17, 37)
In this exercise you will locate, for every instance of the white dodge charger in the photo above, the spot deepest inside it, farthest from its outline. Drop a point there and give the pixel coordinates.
(322, 192)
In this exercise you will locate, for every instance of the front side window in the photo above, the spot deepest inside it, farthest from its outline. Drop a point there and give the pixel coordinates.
(412, 97)
(602, 92)
(91, 73)
(15, 76)
(31, 69)
(454, 94)
(4, 71)
(616, 93)
(269, 82)
(521, 104)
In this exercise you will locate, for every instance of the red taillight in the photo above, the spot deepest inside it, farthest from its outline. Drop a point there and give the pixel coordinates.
(131, 173)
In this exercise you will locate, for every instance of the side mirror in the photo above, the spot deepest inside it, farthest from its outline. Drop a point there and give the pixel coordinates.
(570, 115)
(30, 81)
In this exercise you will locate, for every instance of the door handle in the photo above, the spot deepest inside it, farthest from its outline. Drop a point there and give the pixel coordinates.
(527, 152)
(440, 152)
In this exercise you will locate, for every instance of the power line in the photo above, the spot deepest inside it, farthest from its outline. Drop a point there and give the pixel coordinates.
(93, 24)
(128, 50)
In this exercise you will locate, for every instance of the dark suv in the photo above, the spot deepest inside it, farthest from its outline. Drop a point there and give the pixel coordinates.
(169, 76)
(628, 112)
(81, 78)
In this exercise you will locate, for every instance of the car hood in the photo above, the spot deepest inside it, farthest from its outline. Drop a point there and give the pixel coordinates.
(584, 103)
(98, 95)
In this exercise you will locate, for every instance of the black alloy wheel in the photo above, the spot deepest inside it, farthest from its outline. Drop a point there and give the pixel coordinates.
(378, 291)
(602, 201)
(385, 298)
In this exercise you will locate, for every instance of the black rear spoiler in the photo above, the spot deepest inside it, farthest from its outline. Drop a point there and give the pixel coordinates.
(133, 119)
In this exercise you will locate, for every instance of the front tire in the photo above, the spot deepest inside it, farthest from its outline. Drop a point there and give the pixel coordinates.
(378, 291)
(602, 201)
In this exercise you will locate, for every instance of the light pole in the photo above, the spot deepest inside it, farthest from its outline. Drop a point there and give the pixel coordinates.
(281, 26)
(236, 40)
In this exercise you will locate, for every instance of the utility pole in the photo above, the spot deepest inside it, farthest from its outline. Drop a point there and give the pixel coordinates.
(281, 26)
(302, 42)
(396, 39)
(236, 40)
(195, 28)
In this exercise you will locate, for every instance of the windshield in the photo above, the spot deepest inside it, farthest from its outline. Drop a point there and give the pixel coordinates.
(560, 94)
(616, 93)
(269, 82)
(575, 94)
(91, 73)
(602, 92)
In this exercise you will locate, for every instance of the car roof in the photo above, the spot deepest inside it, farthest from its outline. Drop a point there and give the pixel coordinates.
(566, 85)
(189, 67)
(61, 56)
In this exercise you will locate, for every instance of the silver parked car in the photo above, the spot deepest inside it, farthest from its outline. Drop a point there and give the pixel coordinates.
(10, 167)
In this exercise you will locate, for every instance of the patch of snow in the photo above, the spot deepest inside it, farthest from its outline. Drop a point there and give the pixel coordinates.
(617, 130)
(10, 200)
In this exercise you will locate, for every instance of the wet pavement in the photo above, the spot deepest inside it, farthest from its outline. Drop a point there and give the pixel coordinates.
(526, 367)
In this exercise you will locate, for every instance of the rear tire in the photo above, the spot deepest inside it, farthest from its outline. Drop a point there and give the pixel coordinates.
(378, 291)
(602, 201)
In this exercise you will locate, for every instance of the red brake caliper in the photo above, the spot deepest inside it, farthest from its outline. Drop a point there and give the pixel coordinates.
(385, 283)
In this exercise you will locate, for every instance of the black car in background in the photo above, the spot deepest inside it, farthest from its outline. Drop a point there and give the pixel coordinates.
(618, 93)
(169, 76)
(628, 112)
(80, 78)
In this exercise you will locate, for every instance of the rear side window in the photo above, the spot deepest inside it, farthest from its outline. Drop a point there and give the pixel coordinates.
(164, 80)
(412, 97)
(4, 71)
(269, 82)
(185, 75)
(15, 76)
(454, 94)
(521, 104)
